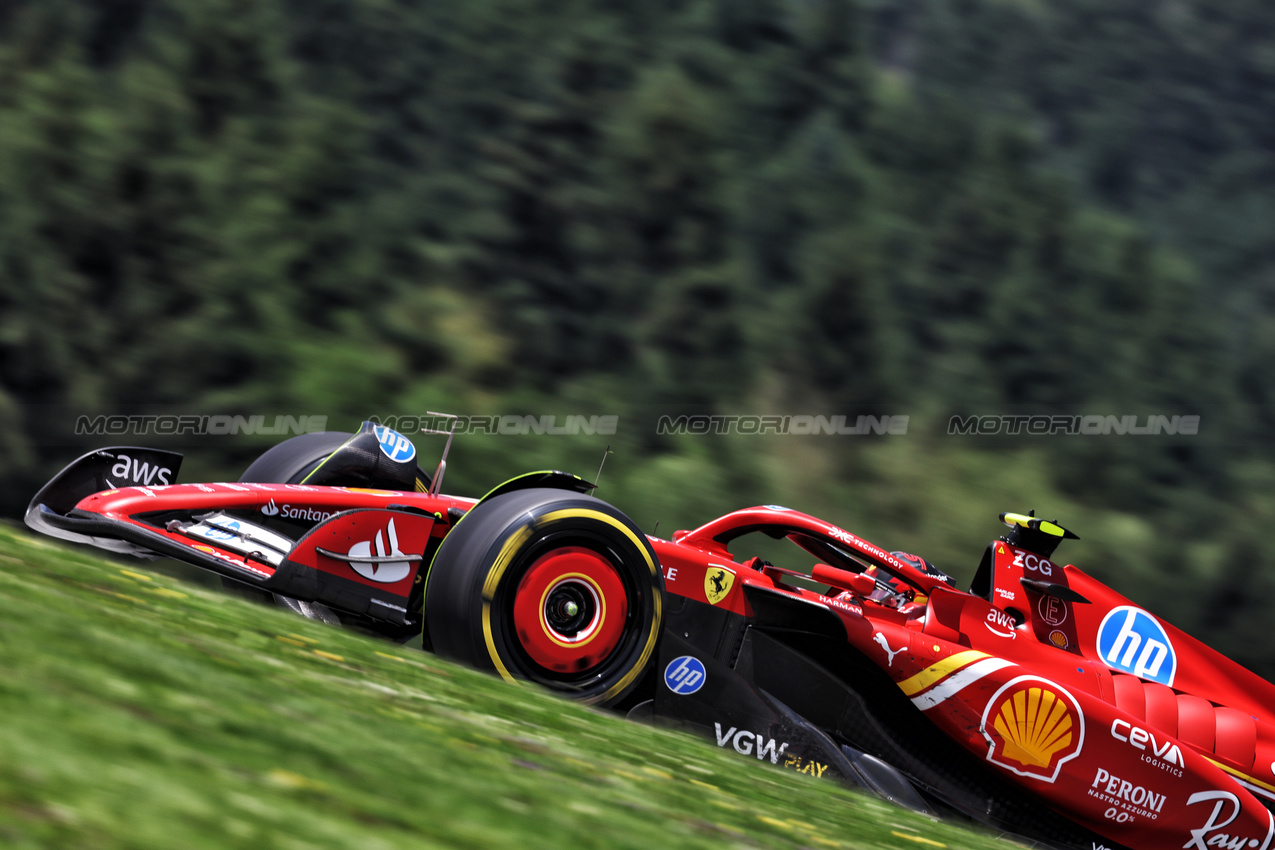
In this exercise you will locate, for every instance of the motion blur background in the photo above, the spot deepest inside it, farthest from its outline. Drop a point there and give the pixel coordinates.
(357, 208)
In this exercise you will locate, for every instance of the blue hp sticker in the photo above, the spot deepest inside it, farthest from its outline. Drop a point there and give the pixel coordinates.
(394, 445)
(1133, 641)
(685, 675)
(226, 531)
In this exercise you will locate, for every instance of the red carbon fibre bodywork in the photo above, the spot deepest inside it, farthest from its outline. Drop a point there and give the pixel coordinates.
(1148, 764)
(1105, 714)
(317, 504)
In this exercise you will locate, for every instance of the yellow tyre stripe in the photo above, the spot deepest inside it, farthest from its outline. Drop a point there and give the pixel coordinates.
(506, 556)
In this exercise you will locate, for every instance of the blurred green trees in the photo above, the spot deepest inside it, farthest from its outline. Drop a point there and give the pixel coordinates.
(380, 207)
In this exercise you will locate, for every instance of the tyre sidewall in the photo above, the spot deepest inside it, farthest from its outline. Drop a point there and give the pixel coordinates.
(476, 573)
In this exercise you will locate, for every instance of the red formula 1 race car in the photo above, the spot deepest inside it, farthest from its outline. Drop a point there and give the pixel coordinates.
(1040, 702)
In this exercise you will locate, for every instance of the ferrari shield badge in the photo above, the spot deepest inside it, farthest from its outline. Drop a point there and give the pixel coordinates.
(717, 582)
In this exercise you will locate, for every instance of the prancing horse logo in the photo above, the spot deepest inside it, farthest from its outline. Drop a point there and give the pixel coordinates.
(717, 582)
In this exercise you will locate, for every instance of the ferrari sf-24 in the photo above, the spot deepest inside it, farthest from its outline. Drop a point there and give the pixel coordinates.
(1038, 702)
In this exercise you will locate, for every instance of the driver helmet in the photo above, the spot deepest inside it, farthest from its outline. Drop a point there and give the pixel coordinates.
(924, 566)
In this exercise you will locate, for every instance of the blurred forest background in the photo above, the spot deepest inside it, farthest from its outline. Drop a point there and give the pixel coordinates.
(382, 207)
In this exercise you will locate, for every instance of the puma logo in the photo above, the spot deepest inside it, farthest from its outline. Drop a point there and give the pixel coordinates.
(890, 653)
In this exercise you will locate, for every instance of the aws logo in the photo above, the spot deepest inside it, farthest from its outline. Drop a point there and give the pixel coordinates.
(1132, 641)
(1033, 727)
(131, 469)
(1001, 624)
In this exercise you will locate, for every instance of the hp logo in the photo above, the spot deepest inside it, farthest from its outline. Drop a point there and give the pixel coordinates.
(229, 531)
(1133, 641)
(394, 445)
(684, 675)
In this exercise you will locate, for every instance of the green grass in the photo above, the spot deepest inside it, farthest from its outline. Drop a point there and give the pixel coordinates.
(138, 711)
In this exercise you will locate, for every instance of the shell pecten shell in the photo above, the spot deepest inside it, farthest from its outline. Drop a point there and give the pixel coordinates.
(1034, 724)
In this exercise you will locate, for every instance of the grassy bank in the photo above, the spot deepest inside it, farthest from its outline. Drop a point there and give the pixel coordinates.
(142, 712)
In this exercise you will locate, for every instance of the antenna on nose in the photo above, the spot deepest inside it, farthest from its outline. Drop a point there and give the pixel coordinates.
(598, 477)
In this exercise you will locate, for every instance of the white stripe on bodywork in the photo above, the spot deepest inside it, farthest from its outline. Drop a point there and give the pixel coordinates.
(958, 680)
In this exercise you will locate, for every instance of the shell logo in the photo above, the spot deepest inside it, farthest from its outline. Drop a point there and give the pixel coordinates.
(1033, 727)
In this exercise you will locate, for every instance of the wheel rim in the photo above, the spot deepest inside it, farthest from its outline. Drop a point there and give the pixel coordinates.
(570, 610)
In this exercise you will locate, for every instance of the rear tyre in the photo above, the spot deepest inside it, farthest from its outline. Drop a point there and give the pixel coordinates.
(551, 587)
